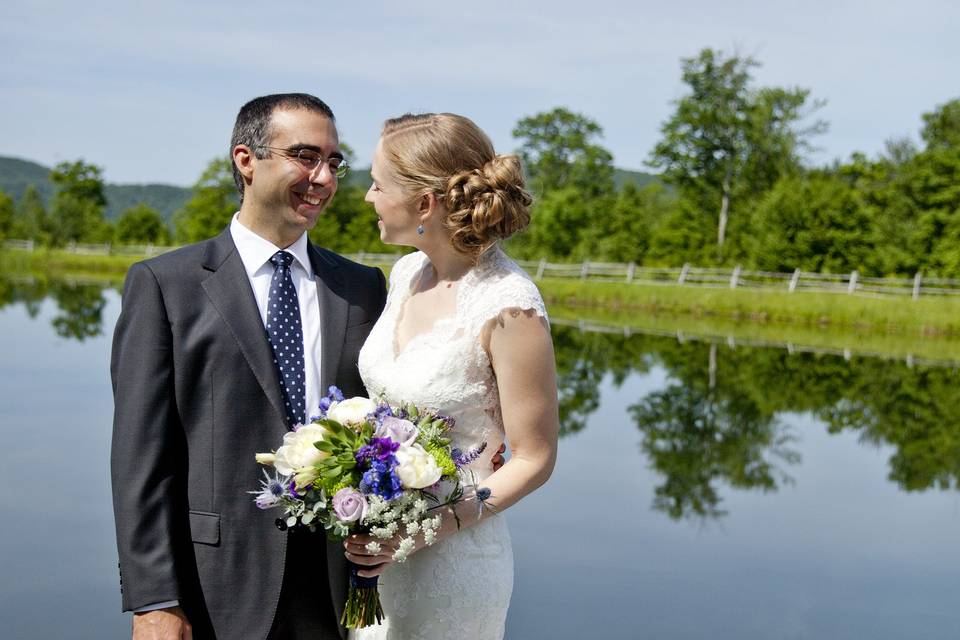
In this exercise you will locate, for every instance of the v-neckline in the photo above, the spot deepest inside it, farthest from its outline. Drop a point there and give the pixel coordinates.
(395, 349)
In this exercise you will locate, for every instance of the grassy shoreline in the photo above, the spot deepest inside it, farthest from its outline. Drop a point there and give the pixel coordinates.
(638, 303)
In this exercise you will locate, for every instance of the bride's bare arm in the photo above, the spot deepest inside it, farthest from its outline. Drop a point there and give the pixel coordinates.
(521, 352)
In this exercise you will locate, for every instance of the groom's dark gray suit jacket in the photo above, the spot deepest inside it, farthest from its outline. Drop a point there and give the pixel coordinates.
(196, 396)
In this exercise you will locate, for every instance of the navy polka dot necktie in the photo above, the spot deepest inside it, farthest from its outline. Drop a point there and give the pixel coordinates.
(285, 333)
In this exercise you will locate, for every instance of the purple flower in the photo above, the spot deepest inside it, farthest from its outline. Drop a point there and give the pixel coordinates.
(382, 411)
(292, 490)
(462, 459)
(333, 395)
(380, 449)
(381, 479)
(397, 429)
(349, 504)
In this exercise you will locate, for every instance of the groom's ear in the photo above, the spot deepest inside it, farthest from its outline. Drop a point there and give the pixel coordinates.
(243, 160)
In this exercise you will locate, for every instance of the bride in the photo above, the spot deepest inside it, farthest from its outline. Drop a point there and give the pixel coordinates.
(464, 332)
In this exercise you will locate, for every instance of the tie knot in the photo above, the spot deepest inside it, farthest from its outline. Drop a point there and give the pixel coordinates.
(281, 259)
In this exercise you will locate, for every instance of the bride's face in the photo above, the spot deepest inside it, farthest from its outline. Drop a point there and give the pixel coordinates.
(397, 211)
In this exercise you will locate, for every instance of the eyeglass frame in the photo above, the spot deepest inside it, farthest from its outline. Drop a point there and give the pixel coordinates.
(294, 154)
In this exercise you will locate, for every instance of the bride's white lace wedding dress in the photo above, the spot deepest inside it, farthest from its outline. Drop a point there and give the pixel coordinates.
(458, 588)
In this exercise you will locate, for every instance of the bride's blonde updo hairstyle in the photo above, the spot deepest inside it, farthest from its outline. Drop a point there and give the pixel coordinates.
(449, 156)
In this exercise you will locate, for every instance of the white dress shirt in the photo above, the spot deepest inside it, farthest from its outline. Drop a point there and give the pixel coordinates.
(255, 253)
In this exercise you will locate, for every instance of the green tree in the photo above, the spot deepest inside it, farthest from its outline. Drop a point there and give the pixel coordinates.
(31, 221)
(814, 223)
(214, 202)
(559, 151)
(141, 225)
(623, 233)
(941, 128)
(79, 204)
(571, 177)
(727, 142)
(7, 215)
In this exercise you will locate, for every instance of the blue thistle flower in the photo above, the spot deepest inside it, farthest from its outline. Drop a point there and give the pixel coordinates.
(272, 490)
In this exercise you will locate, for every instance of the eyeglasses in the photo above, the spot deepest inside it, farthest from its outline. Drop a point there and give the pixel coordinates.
(310, 159)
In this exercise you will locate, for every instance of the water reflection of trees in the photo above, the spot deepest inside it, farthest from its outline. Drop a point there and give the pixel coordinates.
(79, 305)
(716, 422)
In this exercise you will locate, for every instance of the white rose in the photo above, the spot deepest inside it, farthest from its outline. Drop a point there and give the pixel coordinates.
(351, 410)
(298, 451)
(415, 467)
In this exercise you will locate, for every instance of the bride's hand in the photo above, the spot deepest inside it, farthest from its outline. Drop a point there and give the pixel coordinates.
(375, 563)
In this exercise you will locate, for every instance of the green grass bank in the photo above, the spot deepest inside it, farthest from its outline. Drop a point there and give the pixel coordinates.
(889, 315)
(633, 304)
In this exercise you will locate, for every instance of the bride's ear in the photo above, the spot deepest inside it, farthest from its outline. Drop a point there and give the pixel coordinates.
(427, 206)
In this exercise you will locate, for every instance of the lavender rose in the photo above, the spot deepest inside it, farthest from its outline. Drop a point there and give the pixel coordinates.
(349, 504)
(399, 430)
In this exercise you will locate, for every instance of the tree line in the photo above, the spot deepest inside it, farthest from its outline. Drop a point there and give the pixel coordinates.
(735, 187)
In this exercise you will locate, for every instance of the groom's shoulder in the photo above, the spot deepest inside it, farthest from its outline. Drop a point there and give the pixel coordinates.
(350, 268)
(179, 263)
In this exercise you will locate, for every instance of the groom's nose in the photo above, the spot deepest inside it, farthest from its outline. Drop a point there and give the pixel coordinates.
(323, 174)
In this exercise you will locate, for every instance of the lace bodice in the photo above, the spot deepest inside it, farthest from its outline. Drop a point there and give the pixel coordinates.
(460, 587)
(446, 368)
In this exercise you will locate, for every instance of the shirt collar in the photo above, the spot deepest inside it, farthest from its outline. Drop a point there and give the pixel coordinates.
(255, 251)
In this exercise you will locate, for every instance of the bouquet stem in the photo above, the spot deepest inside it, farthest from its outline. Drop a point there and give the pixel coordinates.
(363, 607)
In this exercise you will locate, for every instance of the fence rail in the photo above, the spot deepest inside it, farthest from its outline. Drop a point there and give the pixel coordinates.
(632, 274)
(739, 278)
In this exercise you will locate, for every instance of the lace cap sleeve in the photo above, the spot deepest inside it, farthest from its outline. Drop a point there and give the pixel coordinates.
(402, 271)
(506, 286)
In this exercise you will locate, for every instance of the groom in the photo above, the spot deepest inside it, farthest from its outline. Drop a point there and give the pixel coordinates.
(202, 382)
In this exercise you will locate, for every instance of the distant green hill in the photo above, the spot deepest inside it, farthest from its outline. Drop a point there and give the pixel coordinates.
(16, 175)
(638, 178)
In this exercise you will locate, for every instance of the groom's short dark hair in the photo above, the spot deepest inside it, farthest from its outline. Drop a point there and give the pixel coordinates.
(252, 127)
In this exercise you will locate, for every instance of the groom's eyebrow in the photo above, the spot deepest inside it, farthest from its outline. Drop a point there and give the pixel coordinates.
(297, 147)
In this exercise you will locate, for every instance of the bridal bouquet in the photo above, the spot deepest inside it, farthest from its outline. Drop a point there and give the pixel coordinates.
(362, 466)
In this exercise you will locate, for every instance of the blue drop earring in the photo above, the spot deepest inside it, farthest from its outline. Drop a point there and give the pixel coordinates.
(420, 230)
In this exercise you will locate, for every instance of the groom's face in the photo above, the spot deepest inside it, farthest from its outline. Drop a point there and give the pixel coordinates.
(290, 197)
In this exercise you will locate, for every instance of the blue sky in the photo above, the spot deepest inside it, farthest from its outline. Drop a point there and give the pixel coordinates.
(149, 91)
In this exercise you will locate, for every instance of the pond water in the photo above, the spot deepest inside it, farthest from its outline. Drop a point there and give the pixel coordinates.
(702, 490)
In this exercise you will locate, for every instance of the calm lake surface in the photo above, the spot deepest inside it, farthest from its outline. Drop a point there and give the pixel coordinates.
(702, 490)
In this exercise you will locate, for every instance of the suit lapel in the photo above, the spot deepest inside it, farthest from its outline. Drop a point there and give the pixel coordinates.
(229, 290)
(333, 314)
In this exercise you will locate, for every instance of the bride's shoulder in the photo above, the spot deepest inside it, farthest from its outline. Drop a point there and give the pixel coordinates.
(502, 284)
(404, 268)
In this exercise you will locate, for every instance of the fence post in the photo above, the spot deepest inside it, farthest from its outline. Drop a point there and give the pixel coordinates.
(683, 273)
(630, 269)
(30, 244)
(853, 281)
(794, 281)
(916, 285)
(541, 268)
(361, 256)
(584, 270)
(735, 277)
(72, 246)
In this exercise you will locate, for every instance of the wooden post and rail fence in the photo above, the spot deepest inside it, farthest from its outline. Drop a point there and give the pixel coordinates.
(633, 274)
